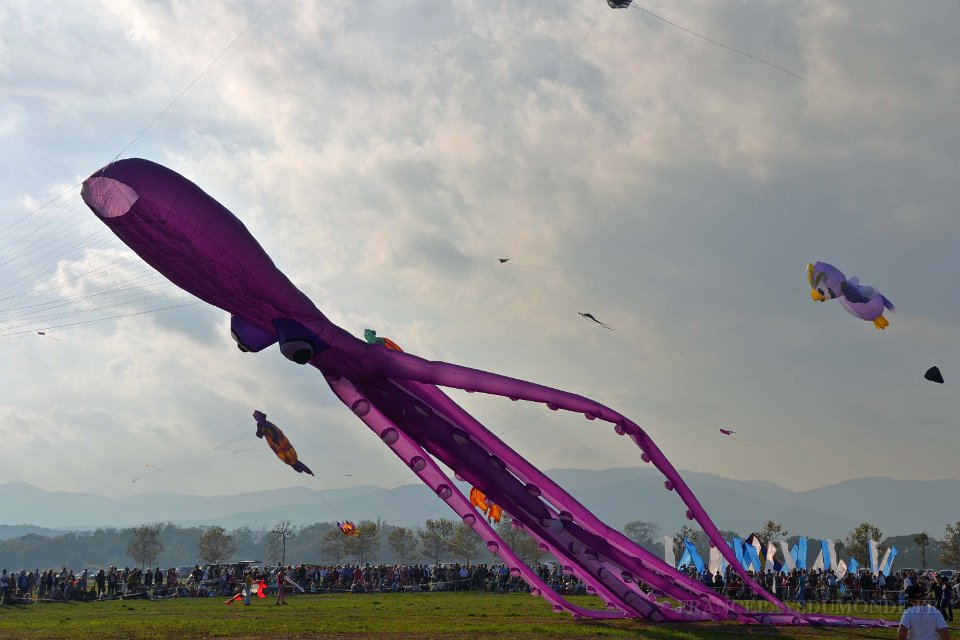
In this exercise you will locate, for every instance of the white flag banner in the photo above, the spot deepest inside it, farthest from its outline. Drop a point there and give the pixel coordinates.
(872, 546)
(833, 555)
(787, 558)
(715, 561)
(886, 556)
(771, 556)
(668, 556)
(818, 563)
(841, 569)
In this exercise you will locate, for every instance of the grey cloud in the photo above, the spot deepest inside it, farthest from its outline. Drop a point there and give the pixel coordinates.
(386, 154)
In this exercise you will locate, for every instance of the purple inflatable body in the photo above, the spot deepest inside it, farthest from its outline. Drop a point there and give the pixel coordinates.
(203, 248)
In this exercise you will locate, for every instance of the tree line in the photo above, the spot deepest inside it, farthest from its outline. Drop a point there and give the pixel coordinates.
(436, 541)
(167, 545)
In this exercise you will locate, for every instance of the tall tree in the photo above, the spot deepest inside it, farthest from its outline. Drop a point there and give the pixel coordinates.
(243, 536)
(950, 552)
(922, 540)
(332, 545)
(686, 532)
(365, 544)
(403, 542)
(277, 541)
(643, 533)
(215, 545)
(771, 531)
(464, 543)
(434, 537)
(145, 545)
(856, 542)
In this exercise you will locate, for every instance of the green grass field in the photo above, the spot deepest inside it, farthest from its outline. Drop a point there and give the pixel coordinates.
(406, 616)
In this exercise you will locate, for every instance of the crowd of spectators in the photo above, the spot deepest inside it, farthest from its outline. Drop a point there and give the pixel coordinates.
(804, 586)
(219, 580)
(66, 585)
(225, 580)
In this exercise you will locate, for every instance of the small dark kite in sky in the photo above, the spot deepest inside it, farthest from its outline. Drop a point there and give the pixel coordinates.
(589, 316)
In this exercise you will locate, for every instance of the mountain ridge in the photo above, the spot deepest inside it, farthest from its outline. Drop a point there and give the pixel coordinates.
(617, 496)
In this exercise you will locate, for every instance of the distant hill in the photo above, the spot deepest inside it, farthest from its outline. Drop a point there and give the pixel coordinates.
(8, 532)
(615, 495)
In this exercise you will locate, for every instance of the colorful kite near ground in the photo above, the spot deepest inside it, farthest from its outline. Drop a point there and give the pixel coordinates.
(261, 589)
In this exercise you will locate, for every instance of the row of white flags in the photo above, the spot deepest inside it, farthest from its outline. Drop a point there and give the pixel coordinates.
(793, 558)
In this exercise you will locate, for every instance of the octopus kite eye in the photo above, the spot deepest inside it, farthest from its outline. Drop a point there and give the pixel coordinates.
(299, 351)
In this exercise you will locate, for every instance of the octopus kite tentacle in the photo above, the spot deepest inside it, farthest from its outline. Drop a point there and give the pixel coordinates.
(424, 466)
(407, 366)
(638, 561)
(203, 248)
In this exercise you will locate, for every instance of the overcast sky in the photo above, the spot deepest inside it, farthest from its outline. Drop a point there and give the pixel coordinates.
(386, 154)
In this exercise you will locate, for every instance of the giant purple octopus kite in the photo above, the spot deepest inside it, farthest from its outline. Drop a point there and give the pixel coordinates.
(203, 248)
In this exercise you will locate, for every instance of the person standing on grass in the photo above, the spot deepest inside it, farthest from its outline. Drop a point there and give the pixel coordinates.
(921, 621)
(4, 587)
(247, 587)
(945, 599)
(281, 576)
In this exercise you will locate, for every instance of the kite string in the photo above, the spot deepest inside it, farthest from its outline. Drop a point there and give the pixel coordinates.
(155, 118)
(194, 81)
(72, 189)
(719, 44)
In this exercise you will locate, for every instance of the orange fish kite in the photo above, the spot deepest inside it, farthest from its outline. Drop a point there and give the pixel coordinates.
(278, 442)
(348, 528)
(492, 511)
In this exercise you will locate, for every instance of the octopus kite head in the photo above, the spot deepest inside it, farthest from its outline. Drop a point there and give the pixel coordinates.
(108, 198)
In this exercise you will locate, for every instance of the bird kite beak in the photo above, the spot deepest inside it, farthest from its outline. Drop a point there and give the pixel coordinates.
(817, 296)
